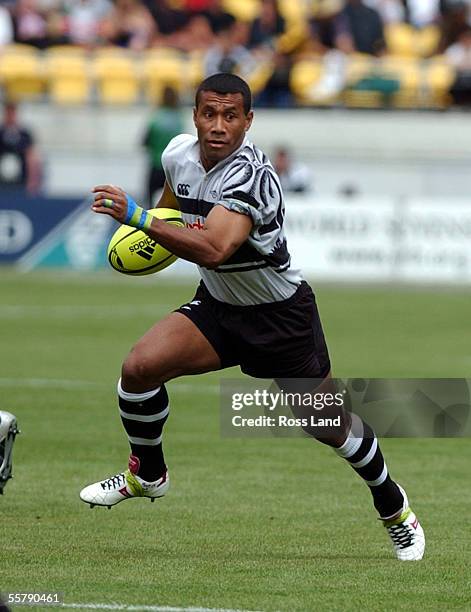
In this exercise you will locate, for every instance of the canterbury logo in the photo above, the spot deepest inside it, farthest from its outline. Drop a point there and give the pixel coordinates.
(183, 189)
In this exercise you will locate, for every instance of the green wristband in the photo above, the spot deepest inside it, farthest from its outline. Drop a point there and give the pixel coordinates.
(140, 219)
(137, 216)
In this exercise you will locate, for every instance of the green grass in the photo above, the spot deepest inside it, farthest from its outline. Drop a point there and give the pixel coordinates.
(277, 524)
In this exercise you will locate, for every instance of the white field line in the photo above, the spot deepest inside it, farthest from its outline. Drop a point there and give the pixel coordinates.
(73, 385)
(52, 383)
(11, 311)
(136, 608)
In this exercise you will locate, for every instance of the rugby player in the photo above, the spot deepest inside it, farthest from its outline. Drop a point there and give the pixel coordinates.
(251, 309)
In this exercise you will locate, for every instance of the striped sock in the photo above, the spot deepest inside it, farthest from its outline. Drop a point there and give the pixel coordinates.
(361, 450)
(143, 416)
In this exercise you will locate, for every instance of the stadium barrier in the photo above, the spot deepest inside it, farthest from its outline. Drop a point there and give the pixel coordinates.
(413, 240)
(52, 232)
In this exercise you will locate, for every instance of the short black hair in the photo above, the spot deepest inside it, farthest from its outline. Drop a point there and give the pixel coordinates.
(226, 83)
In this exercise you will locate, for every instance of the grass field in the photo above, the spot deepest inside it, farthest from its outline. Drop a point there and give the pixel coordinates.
(277, 524)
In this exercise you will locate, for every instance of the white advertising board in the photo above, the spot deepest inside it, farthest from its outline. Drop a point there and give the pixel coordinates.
(434, 241)
(348, 240)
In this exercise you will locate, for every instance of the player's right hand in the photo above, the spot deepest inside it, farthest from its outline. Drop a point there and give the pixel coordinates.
(113, 201)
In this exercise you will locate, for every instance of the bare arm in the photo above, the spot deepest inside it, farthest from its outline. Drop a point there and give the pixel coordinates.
(222, 234)
(167, 199)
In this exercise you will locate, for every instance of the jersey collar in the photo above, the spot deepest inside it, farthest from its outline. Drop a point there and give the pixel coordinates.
(224, 161)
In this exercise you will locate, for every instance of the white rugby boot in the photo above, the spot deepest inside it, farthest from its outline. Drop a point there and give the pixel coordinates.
(406, 533)
(124, 485)
(8, 431)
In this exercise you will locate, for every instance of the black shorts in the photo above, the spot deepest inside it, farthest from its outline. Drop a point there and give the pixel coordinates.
(276, 340)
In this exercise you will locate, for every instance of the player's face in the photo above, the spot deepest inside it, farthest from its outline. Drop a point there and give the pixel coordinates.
(221, 124)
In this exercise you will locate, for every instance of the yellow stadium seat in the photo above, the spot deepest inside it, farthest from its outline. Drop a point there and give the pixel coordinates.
(400, 39)
(195, 68)
(439, 76)
(68, 78)
(363, 99)
(66, 50)
(21, 74)
(407, 71)
(112, 50)
(295, 13)
(17, 48)
(294, 10)
(427, 41)
(361, 66)
(243, 10)
(165, 67)
(116, 77)
(405, 40)
(296, 33)
(304, 74)
(259, 77)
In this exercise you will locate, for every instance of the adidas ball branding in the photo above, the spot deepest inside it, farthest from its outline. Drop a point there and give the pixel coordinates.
(144, 248)
(132, 252)
(141, 244)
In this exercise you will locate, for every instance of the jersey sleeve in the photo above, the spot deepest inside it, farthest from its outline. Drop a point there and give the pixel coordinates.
(172, 154)
(252, 190)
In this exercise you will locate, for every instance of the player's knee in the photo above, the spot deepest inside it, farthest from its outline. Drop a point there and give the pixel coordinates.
(139, 373)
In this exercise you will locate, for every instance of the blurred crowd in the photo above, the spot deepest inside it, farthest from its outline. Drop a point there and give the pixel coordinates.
(235, 35)
(347, 25)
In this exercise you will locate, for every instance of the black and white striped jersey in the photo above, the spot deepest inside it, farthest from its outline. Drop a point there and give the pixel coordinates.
(245, 182)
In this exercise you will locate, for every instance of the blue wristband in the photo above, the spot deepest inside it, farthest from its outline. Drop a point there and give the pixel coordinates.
(132, 206)
(137, 216)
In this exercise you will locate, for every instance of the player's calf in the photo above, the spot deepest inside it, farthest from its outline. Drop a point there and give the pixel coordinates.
(143, 416)
(329, 424)
(361, 450)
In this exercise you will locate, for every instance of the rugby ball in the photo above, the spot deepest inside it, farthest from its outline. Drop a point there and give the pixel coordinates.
(131, 251)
